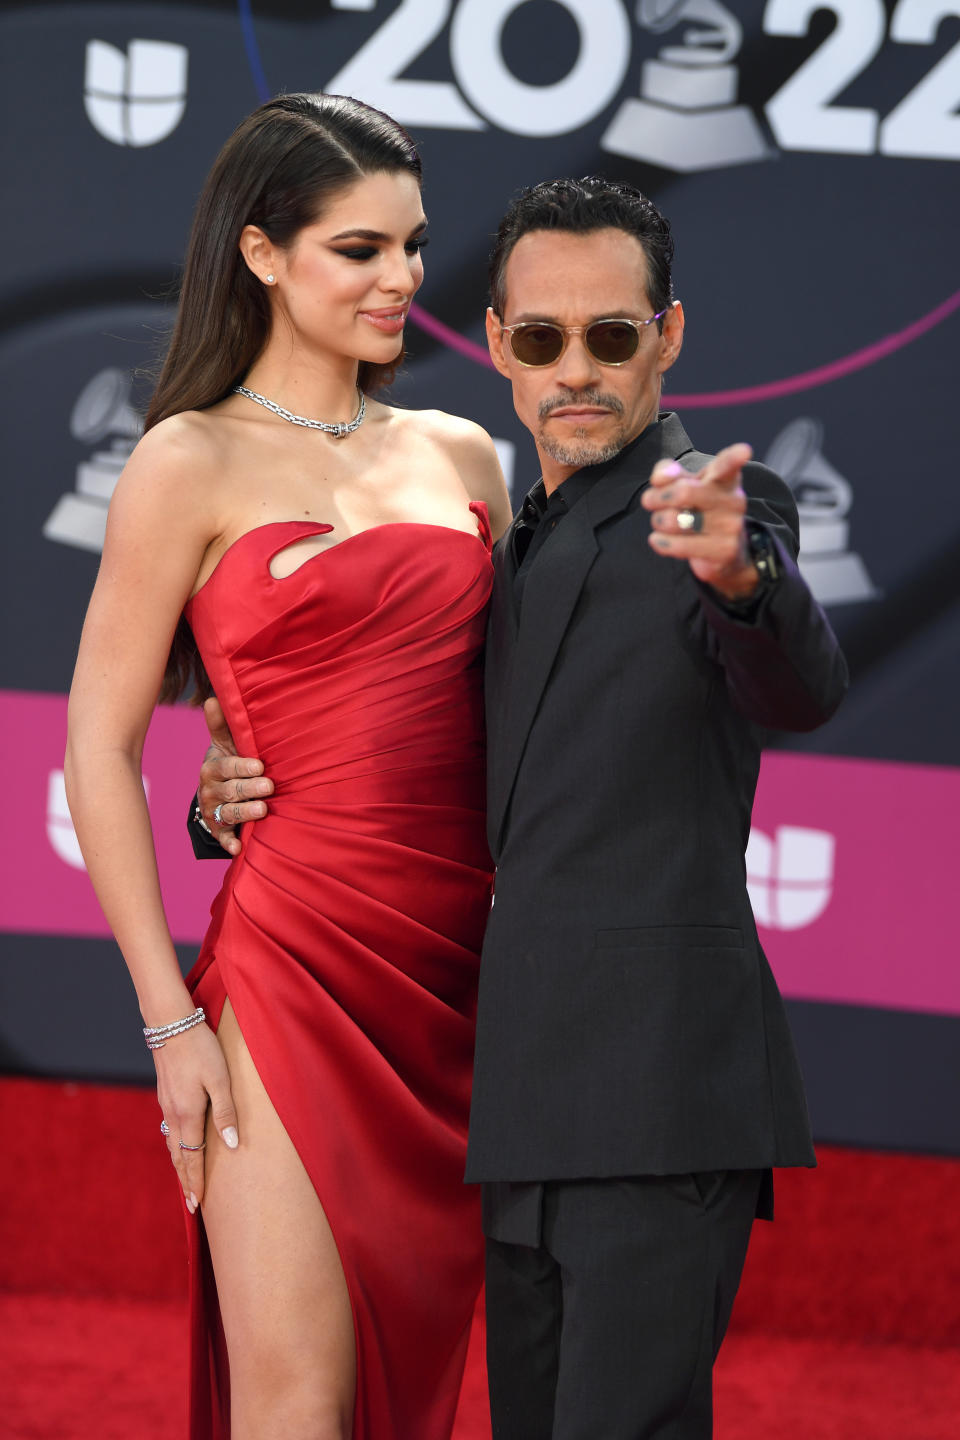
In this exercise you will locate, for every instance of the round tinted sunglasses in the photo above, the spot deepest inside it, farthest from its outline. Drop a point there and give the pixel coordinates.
(611, 342)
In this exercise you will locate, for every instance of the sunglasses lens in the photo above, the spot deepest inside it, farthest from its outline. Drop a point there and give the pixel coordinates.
(536, 344)
(612, 342)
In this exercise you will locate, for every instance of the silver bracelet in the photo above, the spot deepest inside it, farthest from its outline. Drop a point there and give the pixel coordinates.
(157, 1036)
(198, 816)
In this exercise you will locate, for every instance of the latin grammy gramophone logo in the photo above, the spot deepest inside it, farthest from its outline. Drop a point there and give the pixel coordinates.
(835, 575)
(137, 96)
(686, 118)
(102, 411)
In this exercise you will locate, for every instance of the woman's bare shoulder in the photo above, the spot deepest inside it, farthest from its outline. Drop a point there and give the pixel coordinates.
(186, 452)
(176, 473)
(439, 425)
(194, 437)
(463, 440)
(471, 451)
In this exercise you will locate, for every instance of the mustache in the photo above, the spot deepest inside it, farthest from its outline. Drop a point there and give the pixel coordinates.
(586, 397)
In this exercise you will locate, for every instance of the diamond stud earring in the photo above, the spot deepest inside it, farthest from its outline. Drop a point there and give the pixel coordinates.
(271, 279)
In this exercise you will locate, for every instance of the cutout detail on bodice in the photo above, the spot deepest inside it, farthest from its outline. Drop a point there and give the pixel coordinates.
(287, 562)
(305, 547)
(292, 557)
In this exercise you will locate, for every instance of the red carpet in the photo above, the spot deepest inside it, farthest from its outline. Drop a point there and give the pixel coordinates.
(847, 1325)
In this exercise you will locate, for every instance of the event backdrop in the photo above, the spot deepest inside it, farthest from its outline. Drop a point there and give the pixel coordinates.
(808, 156)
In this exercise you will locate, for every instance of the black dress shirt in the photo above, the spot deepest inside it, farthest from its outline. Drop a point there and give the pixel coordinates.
(540, 513)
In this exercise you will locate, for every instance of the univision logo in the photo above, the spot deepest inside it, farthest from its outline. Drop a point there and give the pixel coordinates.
(789, 877)
(60, 831)
(137, 96)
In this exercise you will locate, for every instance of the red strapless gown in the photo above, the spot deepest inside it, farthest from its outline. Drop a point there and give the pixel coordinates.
(347, 933)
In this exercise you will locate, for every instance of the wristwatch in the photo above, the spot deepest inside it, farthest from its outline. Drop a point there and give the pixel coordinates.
(764, 556)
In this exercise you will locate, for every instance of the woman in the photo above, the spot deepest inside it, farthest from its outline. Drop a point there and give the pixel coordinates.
(329, 556)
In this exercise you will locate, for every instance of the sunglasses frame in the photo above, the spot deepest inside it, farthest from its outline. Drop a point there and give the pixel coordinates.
(566, 330)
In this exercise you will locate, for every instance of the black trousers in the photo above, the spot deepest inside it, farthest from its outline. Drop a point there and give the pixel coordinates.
(607, 1328)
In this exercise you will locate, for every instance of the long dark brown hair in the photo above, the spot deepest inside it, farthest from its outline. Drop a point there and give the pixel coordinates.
(279, 169)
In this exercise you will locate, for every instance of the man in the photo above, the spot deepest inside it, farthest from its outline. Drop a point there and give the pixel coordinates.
(635, 1078)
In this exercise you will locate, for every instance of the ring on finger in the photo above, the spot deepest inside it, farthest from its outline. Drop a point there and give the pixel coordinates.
(183, 1146)
(218, 815)
(690, 521)
(164, 1128)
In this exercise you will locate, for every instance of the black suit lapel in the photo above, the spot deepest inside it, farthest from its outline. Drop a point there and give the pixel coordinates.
(519, 672)
(522, 649)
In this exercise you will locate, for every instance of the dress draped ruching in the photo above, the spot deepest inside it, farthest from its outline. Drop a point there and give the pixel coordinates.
(347, 932)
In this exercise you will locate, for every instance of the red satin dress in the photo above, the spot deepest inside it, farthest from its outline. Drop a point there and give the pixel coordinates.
(347, 933)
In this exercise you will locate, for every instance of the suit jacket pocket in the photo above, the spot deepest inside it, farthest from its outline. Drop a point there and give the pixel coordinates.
(671, 1020)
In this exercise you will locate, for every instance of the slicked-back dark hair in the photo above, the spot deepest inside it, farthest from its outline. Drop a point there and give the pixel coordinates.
(578, 207)
(280, 169)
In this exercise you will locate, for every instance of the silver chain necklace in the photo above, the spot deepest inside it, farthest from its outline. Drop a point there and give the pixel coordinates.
(347, 427)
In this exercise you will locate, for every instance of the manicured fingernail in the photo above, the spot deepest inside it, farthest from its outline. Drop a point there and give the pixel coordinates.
(191, 1203)
(263, 787)
(231, 1138)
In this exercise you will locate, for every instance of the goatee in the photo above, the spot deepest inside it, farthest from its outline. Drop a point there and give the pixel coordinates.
(578, 449)
(587, 453)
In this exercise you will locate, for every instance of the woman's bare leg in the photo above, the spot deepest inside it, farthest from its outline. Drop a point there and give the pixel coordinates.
(283, 1297)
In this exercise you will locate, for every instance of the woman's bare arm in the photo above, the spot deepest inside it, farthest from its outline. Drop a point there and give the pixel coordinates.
(160, 523)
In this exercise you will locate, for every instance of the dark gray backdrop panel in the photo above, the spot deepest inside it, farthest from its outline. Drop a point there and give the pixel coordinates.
(785, 264)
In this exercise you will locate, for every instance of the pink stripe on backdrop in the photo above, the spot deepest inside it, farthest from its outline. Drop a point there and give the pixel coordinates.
(887, 935)
(436, 328)
(750, 394)
(823, 374)
(852, 862)
(45, 894)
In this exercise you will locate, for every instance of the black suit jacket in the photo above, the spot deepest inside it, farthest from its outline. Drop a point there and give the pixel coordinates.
(628, 1020)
